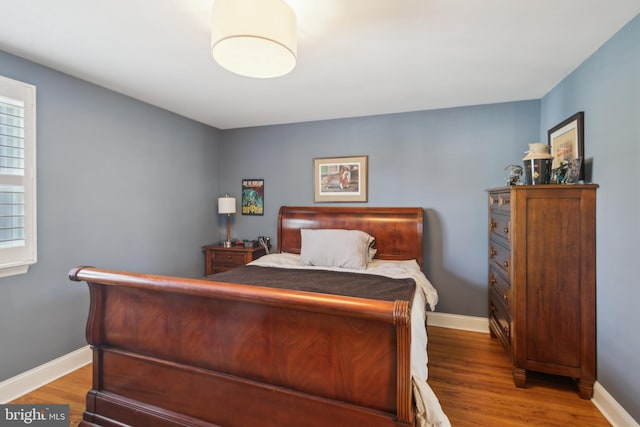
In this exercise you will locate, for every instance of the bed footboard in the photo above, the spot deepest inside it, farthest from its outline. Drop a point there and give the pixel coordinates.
(173, 352)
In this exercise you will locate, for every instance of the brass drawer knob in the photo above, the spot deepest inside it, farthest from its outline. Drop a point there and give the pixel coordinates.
(506, 230)
(506, 264)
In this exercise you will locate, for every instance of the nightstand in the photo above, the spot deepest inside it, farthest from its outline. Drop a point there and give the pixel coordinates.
(218, 258)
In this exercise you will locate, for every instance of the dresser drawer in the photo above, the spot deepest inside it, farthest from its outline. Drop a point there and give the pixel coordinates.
(499, 319)
(500, 256)
(500, 286)
(230, 259)
(499, 225)
(500, 201)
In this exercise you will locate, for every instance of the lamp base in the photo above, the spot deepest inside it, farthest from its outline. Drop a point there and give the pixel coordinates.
(227, 244)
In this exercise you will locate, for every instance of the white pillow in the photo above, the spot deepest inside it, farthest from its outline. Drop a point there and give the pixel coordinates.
(336, 248)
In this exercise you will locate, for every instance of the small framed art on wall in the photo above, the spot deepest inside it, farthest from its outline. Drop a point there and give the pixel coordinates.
(340, 179)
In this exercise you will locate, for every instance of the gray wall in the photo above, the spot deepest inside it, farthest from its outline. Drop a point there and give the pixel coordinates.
(442, 161)
(121, 184)
(607, 88)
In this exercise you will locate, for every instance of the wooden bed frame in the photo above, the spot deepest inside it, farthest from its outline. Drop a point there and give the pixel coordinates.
(171, 351)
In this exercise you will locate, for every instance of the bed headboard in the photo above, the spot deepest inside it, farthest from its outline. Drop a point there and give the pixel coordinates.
(398, 231)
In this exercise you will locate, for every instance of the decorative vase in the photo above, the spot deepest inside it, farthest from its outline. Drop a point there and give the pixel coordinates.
(537, 164)
(537, 171)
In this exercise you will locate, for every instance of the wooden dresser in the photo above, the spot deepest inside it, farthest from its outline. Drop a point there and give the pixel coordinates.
(218, 258)
(542, 283)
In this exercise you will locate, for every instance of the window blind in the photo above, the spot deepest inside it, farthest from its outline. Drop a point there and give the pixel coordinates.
(18, 222)
(12, 212)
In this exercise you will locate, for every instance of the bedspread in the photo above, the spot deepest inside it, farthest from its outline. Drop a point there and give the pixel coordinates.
(342, 283)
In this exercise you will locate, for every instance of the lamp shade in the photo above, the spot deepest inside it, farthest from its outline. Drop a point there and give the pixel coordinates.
(226, 205)
(254, 38)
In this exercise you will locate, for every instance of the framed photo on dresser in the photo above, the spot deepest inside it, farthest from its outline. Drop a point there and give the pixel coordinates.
(567, 142)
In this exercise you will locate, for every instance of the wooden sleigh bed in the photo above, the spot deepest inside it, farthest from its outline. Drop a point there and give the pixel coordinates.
(171, 351)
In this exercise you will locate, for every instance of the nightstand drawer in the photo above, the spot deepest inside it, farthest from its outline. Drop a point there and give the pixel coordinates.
(219, 259)
(232, 259)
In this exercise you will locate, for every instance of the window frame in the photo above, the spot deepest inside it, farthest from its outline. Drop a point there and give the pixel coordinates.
(16, 260)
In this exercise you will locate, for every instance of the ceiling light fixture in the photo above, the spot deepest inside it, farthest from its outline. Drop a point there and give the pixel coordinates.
(254, 38)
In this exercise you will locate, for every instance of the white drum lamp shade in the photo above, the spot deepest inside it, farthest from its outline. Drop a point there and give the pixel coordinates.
(226, 205)
(254, 38)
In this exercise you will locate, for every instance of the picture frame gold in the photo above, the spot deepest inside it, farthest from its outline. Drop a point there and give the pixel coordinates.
(567, 142)
(340, 179)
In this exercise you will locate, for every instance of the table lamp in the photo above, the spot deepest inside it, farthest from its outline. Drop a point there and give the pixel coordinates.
(227, 205)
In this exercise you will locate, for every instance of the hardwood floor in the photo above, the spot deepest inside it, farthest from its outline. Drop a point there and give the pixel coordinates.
(469, 372)
(70, 389)
(471, 375)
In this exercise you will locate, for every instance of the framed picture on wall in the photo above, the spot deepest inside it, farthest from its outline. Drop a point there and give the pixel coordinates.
(567, 142)
(340, 179)
(253, 197)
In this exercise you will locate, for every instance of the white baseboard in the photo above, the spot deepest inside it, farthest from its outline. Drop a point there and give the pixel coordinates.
(28, 381)
(457, 321)
(606, 404)
(611, 409)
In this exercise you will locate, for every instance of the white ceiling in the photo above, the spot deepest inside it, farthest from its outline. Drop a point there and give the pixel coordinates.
(355, 57)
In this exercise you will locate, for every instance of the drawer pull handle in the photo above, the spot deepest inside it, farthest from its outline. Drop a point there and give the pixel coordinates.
(228, 256)
(506, 264)
(493, 281)
(492, 224)
(492, 308)
(506, 230)
(505, 329)
(492, 252)
(505, 297)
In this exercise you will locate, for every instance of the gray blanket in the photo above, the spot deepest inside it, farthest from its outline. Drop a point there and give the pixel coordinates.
(349, 284)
